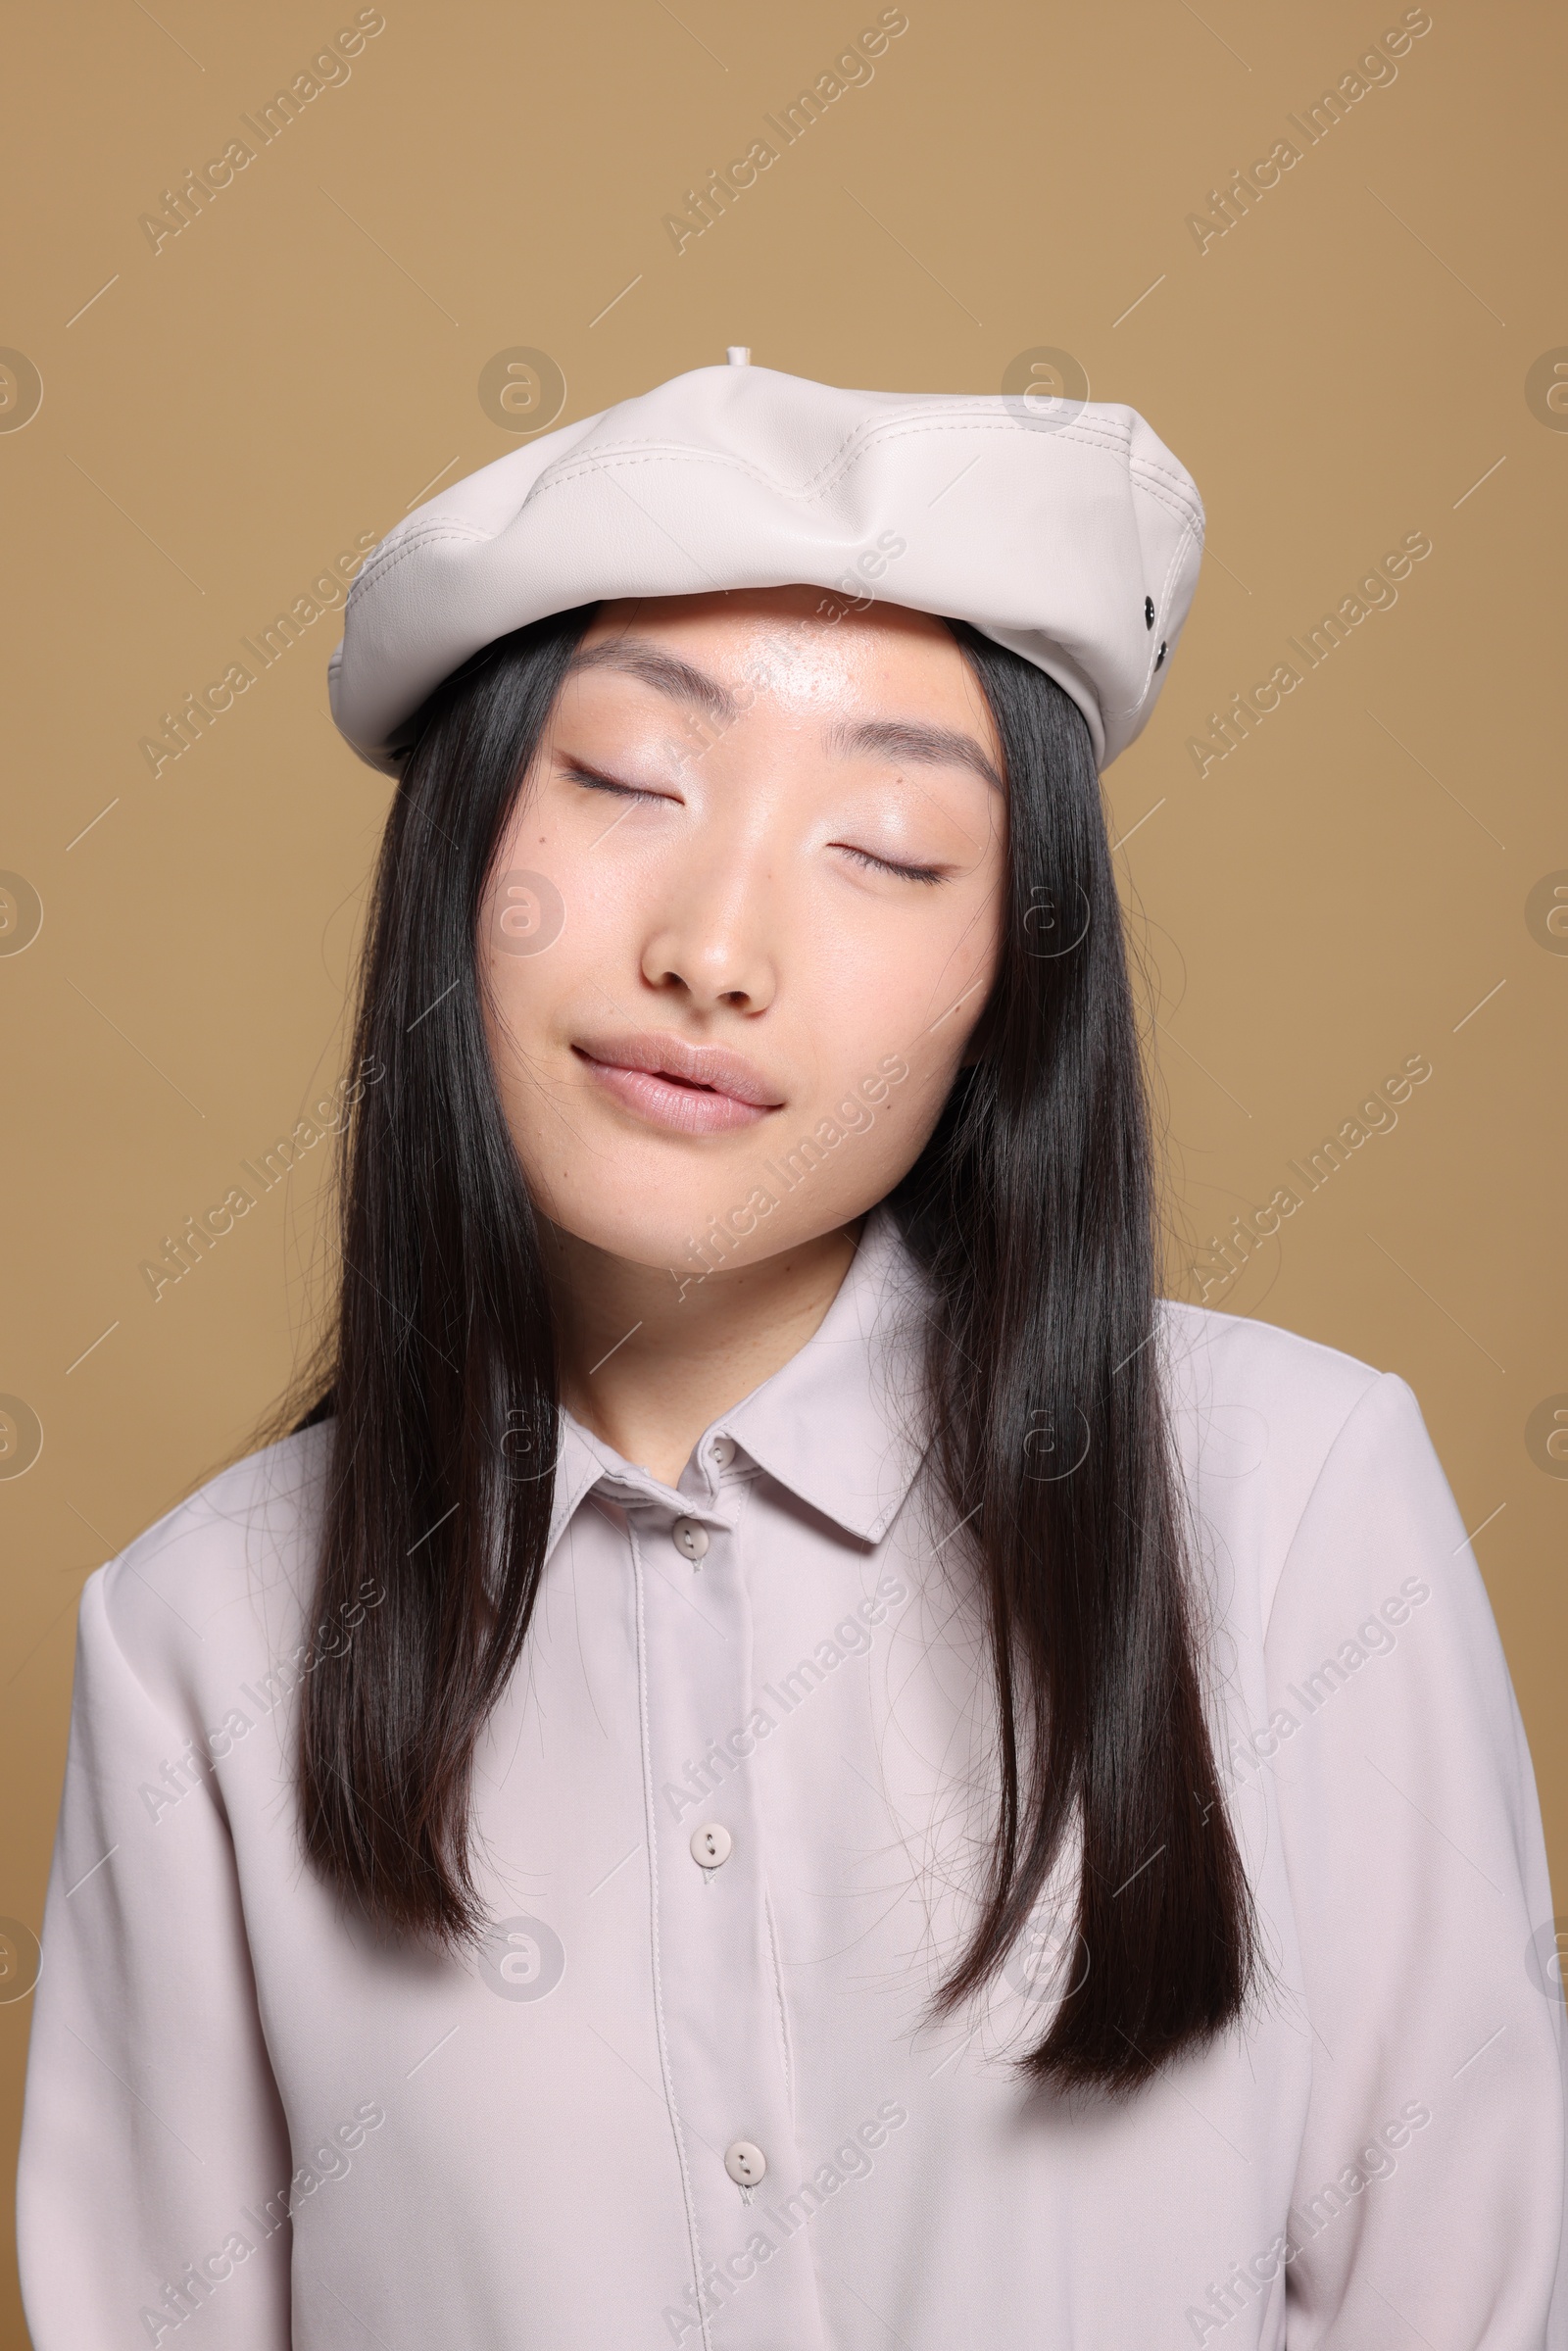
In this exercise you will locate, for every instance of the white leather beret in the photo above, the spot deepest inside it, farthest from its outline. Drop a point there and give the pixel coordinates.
(1064, 531)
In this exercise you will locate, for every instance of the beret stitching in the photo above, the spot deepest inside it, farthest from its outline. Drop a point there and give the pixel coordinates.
(605, 460)
(410, 544)
(866, 433)
(1174, 502)
(1151, 466)
(602, 462)
(427, 534)
(1114, 446)
(1143, 474)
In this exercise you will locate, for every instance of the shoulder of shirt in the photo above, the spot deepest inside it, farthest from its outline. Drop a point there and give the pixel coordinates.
(1253, 1404)
(1236, 1353)
(224, 1577)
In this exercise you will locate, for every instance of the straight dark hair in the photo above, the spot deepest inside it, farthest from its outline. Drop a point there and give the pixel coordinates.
(1032, 1210)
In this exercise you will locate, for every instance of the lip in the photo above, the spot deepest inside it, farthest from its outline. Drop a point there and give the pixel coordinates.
(686, 1088)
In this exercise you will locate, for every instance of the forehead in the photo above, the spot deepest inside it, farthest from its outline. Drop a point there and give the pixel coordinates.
(801, 647)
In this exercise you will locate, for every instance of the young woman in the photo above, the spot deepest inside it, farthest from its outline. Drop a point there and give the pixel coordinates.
(786, 1755)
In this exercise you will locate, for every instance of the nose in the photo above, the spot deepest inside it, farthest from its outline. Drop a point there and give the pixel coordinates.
(709, 943)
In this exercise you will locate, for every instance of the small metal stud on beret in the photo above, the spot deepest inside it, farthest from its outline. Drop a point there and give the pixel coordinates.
(1161, 655)
(1149, 611)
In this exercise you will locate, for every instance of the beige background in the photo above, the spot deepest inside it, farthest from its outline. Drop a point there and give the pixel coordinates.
(1352, 886)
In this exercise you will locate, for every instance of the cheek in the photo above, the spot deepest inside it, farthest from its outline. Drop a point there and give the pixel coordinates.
(536, 952)
(552, 910)
(890, 977)
(908, 987)
(933, 980)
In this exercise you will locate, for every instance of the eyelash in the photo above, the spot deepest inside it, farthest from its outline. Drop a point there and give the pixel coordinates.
(591, 781)
(910, 873)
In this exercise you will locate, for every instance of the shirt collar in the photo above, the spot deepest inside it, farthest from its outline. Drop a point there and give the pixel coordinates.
(579, 1468)
(835, 1425)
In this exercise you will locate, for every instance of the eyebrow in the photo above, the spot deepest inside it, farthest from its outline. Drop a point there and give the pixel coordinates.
(914, 741)
(638, 658)
(910, 740)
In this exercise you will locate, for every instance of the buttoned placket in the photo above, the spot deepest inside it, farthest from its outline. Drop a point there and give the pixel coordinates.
(717, 1989)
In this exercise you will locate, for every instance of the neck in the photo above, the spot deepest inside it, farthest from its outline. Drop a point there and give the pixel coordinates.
(648, 1369)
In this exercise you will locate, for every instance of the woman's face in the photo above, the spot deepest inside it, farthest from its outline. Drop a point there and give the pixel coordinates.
(743, 920)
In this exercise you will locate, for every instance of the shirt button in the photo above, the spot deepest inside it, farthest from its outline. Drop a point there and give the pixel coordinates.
(689, 1538)
(745, 2163)
(723, 1451)
(712, 1845)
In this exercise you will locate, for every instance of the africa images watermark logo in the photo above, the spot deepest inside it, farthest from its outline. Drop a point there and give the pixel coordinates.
(1306, 2219)
(1374, 68)
(198, 1235)
(198, 2280)
(21, 913)
(521, 1958)
(21, 1437)
(180, 730)
(183, 1772)
(853, 69)
(1225, 1256)
(1229, 729)
(1546, 389)
(328, 70)
(527, 914)
(853, 1635)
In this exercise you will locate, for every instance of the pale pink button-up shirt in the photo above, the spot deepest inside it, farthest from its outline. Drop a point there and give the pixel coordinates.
(727, 1815)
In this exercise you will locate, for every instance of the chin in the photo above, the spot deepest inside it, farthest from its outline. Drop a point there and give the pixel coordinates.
(688, 1242)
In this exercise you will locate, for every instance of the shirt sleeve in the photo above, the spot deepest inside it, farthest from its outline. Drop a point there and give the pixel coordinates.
(1428, 2203)
(153, 2168)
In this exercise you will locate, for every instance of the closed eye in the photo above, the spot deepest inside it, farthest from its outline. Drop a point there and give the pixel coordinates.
(908, 873)
(593, 779)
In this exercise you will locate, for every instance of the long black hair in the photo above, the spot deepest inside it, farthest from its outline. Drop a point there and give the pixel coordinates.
(1032, 1210)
